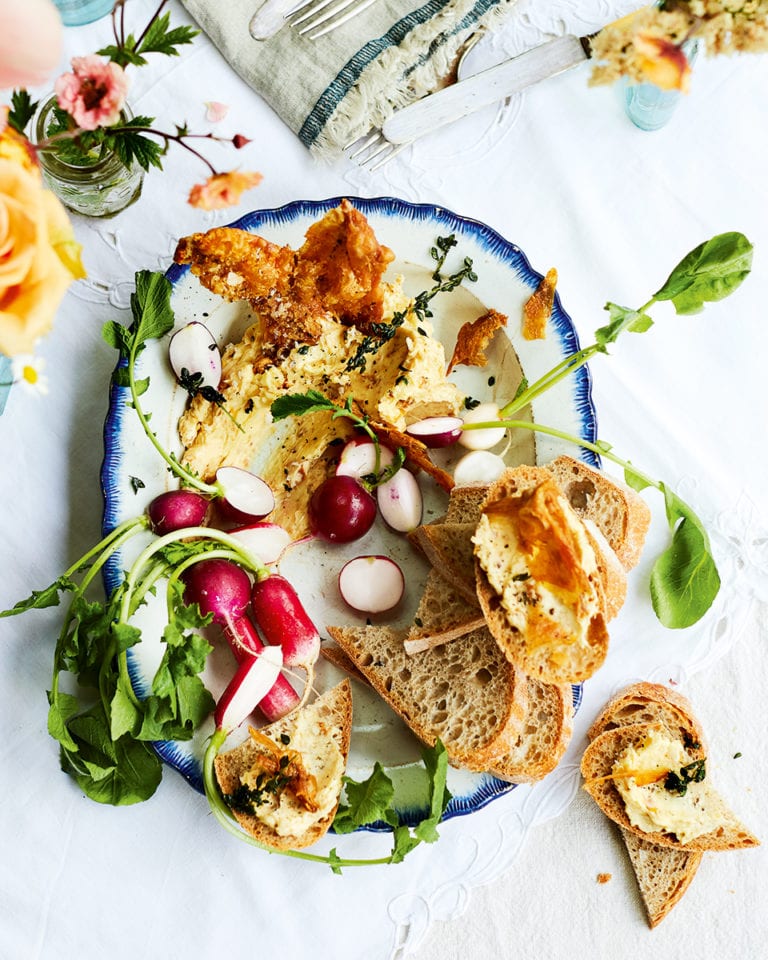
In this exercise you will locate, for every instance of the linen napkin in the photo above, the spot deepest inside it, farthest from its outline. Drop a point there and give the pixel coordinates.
(333, 89)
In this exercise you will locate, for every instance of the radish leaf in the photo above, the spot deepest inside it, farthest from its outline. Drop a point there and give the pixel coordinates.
(710, 272)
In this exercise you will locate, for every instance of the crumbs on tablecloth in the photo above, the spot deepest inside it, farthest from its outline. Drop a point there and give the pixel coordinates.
(604, 877)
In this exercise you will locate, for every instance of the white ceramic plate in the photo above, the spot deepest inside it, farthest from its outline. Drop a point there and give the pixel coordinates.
(505, 280)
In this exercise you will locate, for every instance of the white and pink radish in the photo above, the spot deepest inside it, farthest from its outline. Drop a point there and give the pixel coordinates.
(222, 590)
(282, 619)
(252, 681)
(371, 584)
(244, 496)
(436, 431)
(267, 541)
(177, 509)
(484, 437)
(193, 351)
(400, 501)
(341, 510)
(478, 466)
(359, 458)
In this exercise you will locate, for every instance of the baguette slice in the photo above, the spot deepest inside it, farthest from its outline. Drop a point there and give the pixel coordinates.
(442, 615)
(619, 511)
(464, 692)
(597, 765)
(330, 716)
(542, 648)
(544, 737)
(663, 874)
(466, 503)
(448, 548)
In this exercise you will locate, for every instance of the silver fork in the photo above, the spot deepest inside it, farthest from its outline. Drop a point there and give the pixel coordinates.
(373, 150)
(315, 18)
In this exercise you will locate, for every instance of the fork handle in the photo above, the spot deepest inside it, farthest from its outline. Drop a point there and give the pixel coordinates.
(269, 18)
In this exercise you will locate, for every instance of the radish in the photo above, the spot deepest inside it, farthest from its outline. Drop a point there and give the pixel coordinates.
(176, 509)
(252, 681)
(482, 439)
(245, 496)
(341, 510)
(400, 502)
(267, 541)
(223, 589)
(478, 466)
(358, 458)
(192, 351)
(436, 431)
(371, 584)
(282, 619)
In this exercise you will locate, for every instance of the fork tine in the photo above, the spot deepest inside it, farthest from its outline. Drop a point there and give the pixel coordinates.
(310, 8)
(328, 15)
(372, 139)
(340, 20)
(392, 153)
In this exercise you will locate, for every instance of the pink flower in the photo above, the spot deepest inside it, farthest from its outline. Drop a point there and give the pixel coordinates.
(94, 94)
(222, 190)
(30, 42)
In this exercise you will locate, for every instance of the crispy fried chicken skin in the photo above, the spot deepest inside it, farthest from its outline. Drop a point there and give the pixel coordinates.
(336, 272)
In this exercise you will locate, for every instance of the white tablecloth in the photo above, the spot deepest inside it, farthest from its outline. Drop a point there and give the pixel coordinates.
(561, 172)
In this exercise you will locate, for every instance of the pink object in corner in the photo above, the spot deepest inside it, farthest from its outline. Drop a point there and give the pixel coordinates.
(30, 42)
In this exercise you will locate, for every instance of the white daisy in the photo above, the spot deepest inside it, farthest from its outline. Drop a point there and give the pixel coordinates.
(28, 371)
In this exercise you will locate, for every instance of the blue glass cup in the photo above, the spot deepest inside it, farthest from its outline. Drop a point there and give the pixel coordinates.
(75, 13)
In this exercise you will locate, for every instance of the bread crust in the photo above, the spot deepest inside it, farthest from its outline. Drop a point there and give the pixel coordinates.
(335, 708)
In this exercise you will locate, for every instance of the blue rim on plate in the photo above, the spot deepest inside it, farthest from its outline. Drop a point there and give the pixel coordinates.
(487, 787)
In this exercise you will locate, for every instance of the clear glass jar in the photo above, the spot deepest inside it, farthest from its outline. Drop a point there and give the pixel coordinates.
(99, 188)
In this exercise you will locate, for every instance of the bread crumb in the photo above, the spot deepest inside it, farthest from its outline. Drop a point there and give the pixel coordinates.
(604, 877)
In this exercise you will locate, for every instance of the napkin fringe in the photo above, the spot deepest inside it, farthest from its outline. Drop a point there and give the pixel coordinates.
(404, 73)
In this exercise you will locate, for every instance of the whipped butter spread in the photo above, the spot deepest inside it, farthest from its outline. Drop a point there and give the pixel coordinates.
(641, 777)
(322, 761)
(537, 557)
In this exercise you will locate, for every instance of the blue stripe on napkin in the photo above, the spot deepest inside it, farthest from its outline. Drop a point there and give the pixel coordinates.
(352, 70)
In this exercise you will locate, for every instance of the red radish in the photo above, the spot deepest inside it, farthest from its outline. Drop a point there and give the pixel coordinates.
(245, 496)
(252, 681)
(341, 510)
(478, 466)
(436, 431)
(486, 438)
(400, 501)
(267, 541)
(358, 458)
(223, 589)
(176, 509)
(193, 350)
(282, 619)
(371, 584)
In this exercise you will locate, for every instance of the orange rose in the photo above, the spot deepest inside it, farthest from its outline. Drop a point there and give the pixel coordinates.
(39, 257)
(663, 62)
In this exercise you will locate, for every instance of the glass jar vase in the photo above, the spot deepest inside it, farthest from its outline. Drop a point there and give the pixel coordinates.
(100, 186)
(648, 106)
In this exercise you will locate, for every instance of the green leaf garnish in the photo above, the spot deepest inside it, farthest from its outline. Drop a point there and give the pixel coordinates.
(710, 272)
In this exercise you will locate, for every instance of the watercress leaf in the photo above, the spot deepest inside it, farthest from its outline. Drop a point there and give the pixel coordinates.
(369, 801)
(132, 777)
(62, 708)
(342, 821)
(622, 319)
(334, 861)
(195, 702)
(121, 377)
(634, 479)
(125, 636)
(141, 386)
(125, 716)
(151, 306)
(118, 336)
(83, 648)
(684, 579)
(426, 830)
(710, 272)
(403, 843)
(297, 404)
(436, 763)
(38, 599)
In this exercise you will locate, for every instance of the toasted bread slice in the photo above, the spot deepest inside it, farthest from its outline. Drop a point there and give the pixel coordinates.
(466, 503)
(328, 720)
(597, 768)
(620, 512)
(464, 692)
(544, 737)
(448, 547)
(442, 615)
(663, 874)
(554, 634)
